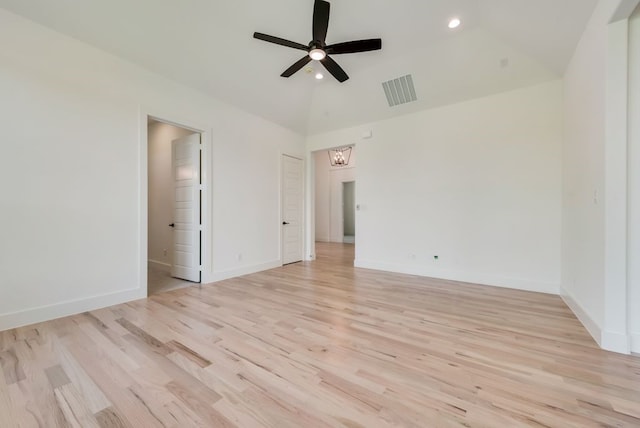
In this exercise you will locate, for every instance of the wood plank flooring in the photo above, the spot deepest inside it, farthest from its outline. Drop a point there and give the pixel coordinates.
(318, 344)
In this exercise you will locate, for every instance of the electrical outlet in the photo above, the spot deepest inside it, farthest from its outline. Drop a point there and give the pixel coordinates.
(164, 251)
(239, 257)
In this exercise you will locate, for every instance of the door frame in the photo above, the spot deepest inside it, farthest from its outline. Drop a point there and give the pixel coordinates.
(310, 191)
(303, 200)
(143, 191)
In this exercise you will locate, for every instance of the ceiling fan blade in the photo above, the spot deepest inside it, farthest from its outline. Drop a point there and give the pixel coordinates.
(320, 20)
(297, 66)
(279, 41)
(335, 70)
(354, 46)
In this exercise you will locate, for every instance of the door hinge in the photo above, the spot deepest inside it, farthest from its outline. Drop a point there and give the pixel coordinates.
(200, 227)
(200, 268)
(201, 187)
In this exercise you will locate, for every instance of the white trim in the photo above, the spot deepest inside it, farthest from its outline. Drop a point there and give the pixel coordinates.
(616, 342)
(589, 324)
(470, 277)
(143, 198)
(71, 307)
(159, 264)
(633, 268)
(245, 270)
(205, 132)
(635, 342)
(615, 197)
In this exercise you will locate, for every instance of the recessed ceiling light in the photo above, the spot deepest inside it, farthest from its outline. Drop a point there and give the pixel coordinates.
(454, 23)
(319, 76)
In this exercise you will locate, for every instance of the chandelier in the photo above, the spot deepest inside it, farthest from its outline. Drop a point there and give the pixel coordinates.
(340, 157)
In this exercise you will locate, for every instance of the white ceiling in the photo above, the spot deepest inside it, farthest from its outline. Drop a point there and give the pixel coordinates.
(208, 45)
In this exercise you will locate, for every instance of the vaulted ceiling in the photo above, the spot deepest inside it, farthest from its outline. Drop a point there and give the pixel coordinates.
(208, 45)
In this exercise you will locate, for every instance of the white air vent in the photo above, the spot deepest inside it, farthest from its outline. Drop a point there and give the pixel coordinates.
(400, 90)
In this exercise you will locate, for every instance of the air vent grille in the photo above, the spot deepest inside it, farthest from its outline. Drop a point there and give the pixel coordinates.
(400, 90)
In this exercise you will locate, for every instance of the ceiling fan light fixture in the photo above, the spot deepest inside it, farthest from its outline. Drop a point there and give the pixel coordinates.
(319, 76)
(454, 23)
(317, 54)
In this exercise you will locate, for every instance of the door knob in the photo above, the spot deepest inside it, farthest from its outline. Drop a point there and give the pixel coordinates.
(285, 222)
(172, 225)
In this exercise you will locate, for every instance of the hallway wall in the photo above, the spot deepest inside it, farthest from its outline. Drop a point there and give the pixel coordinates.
(161, 199)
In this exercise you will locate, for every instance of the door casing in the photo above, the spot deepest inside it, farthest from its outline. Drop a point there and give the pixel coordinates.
(175, 119)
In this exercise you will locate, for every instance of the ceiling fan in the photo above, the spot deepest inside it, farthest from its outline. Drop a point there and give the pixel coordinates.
(317, 49)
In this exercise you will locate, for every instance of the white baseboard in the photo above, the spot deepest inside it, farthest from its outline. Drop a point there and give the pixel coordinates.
(245, 270)
(607, 340)
(592, 327)
(71, 307)
(616, 342)
(322, 239)
(635, 342)
(159, 265)
(471, 277)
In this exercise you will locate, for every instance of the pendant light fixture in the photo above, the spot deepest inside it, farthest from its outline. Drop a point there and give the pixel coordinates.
(340, 157)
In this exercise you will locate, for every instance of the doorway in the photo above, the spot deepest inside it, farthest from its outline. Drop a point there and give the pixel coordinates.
(174, 214)
(334, 202)
(349, 212)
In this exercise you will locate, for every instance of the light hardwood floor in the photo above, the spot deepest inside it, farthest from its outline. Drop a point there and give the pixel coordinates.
(159, 280)
(319, 345)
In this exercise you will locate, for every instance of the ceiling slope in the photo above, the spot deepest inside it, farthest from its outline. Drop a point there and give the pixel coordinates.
(208, 45)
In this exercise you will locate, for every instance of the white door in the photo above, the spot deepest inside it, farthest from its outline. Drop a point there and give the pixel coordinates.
(185, 163)
(291, 209)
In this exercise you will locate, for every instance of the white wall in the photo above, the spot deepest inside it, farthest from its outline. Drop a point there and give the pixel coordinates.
(476, 183)
(73, 167)
(328, 194)
(161, 200)
(634, 182)
(595, 160)
(322, 205)
(583, 175)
